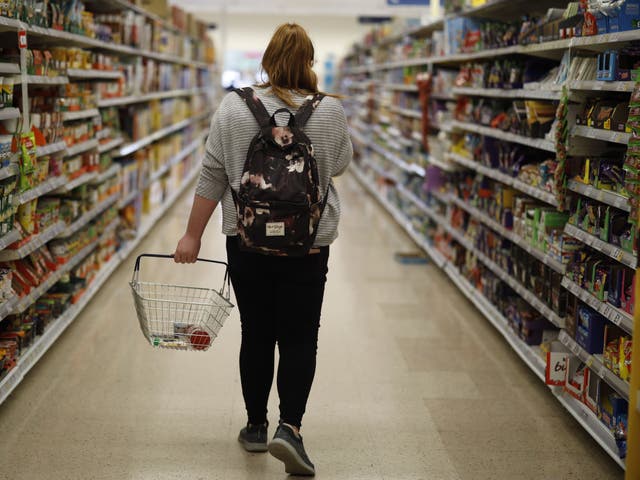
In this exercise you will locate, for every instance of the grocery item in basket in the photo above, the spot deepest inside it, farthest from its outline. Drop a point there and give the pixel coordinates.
(199, 338)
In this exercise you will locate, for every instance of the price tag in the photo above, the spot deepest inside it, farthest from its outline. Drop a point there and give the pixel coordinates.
(597, 86)
(575, 348)
(617, 318)
(603, 371)
(589, 362)
(622, 86)
(563, 336)
(593, 302)
(22, 39)
(606, 311)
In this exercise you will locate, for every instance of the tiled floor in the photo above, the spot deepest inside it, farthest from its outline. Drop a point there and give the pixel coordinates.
(412, 383)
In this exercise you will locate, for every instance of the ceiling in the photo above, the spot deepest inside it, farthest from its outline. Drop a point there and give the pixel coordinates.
(302, 7)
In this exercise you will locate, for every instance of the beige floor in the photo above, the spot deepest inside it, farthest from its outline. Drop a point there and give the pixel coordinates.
(412, 383)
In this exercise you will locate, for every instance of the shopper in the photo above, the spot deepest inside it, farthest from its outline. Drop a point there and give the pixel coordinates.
(279, 297)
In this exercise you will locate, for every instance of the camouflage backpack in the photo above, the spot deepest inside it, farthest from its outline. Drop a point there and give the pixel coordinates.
(278, 203)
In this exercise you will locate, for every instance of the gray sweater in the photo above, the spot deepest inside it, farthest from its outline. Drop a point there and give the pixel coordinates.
(232, 129)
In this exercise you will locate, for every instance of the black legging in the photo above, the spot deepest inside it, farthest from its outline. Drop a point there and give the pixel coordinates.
(280, 300)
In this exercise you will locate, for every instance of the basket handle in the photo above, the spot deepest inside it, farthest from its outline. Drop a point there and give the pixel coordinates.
(225, 292)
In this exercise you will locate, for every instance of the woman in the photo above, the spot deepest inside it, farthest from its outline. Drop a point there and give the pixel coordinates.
(279, 297)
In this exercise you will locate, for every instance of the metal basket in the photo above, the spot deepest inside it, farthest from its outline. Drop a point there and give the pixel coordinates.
(180, 317)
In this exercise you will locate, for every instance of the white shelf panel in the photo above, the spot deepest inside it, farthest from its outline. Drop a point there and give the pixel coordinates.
(44, 80)
(426, 209)
(9, 113)
(110, 145)
(79, 115)
(617, 316)
(510, 235)
(400, 87)
(531, 357)
(604, 196)
(599, 134)
(410, 62)
(594, 362)
(359, 137)
(124, 201)
(443, 164)
(9, 68)
(103, 134)
(608, 249)
(88, 217)
(76, 182)
(12, 237)
(51, 149)
(79, 148)
(397, 161)
(591, 423)
(504, 93)
(146, 97)
(539, 143)
(594, 85)
(93, 74)
(7, 307)
(10, 171)
(45, 187)
(34, 244)
(506, 179)
(107, 174)
(379, 170)
(407, 112)
(143, 142)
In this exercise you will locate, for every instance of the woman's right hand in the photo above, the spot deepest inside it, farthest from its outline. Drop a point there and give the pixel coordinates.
(187, 249)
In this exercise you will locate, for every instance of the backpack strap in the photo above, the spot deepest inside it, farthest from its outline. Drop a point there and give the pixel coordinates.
(307, 108)
(255, 105)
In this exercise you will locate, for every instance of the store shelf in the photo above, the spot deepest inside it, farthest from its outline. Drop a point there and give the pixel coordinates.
(359, 137)
(409, 62)
(595, 85)
(400, 87)
(539, 143)
(617, 316)
(525, 293)
(397, 161)
(107, 174)
(591, 423)
(88, 216)
(407, 112)
(608, 249)
(76, 182)
(137, 145)
(82, 147)
(594, 362)
(531, 357)
(539, 94)
(146, 97)
(9, 68)
(79, 115)
(604, 196)
(45, 187)
(9, 171)
(379, 170)
(109, 229)
(9, 113)
(504, 178)
(189, 149)
(45, 80)
(131, 196)
(34, 244)
(110, 145)
(76, 73)
(7, 239)
(442, 164)
(426, 209)
(418, 238)
(509, 235)
(599, 134)
(50, 149)
(7, 307)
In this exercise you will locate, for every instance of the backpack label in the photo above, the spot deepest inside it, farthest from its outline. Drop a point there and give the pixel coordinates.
(275, 229)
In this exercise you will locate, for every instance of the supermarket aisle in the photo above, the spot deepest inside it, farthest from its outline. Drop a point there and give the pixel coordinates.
(412, 383)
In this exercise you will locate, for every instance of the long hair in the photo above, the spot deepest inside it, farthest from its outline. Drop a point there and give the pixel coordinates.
(288, 62)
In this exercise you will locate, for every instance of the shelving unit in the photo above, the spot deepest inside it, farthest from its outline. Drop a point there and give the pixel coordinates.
(10, 171)
(395, 78)
(107, 142)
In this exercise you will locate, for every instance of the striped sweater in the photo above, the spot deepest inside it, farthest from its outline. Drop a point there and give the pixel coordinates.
(232, 129)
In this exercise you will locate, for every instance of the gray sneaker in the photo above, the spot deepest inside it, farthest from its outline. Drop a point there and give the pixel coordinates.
(254, 437)
(288, 448)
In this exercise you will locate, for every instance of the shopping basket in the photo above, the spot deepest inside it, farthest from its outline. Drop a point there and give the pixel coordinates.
(180, 317)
